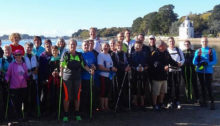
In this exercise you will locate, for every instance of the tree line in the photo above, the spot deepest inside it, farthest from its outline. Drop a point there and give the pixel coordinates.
(165, 22)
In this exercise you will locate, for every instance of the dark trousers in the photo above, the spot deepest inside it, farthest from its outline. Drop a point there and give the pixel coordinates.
(190, 79)
(206, 85)
(174, 79)
(31, 96)
(17, 97)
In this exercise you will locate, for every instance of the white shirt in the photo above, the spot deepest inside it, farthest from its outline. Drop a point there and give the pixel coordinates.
(97, 45)
(175, 56)
(106, 61)
(130, 44)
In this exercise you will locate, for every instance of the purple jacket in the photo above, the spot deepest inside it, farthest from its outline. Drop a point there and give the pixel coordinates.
(17, 75)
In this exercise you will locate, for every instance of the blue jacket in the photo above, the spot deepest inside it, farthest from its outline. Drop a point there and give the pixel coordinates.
(205, 58)
(90, 59)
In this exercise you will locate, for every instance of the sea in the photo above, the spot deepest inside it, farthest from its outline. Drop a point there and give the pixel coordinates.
(54, 41)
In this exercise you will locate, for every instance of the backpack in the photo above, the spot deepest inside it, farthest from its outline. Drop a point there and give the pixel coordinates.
(210, 54)
(178, 51)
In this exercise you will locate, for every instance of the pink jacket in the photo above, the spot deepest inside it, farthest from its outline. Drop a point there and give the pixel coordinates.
(17, 75)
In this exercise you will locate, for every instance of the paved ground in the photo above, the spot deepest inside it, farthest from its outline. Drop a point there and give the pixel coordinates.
(189, 115)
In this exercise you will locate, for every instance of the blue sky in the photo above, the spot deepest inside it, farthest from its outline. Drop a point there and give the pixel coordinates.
(63, 17)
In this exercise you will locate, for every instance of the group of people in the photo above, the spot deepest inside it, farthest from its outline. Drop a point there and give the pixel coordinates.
(122, 74)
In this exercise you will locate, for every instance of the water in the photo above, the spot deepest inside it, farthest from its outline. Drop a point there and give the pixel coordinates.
(54, 41)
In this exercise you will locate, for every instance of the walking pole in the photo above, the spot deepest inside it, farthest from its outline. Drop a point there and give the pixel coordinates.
(38, 99)
(129, 91)
(91, 95)
(60, 97)
(6, 110)
(116, 105)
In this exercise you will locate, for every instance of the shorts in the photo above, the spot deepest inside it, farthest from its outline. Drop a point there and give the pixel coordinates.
(105, 86)
(159, 87)
(72, 90)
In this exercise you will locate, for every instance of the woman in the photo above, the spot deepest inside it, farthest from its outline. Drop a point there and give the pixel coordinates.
(15, 38)
(105, 65)
(90, 60)
(70, 68)
(17, 76)
(6, 60)
(61, 46)
(38, 49)
(189, 73)
(32, 64)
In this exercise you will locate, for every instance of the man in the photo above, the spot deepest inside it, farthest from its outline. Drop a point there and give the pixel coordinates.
(97, 41)
(128, 43)
(152, 41)
(204, 59)
(160, 59)
(120, 37)
(145, 48)
(174, 75)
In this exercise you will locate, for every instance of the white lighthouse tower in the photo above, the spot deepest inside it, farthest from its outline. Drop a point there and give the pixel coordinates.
(186, 29)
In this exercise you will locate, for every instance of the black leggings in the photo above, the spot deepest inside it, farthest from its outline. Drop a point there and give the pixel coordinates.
(190, 79)
(17, 97)
(206, 85)
(174, 79)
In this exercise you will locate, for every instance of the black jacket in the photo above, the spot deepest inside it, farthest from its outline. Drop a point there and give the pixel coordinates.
(158, 61)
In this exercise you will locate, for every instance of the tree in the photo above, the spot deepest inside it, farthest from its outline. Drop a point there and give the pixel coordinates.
(148, 21)
(174, 29)
(214, 20)
(136, 26)
(166, 16)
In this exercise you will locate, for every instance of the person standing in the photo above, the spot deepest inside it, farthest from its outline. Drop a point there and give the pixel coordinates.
(128, 43)
(174, 75)
(15, 38)
(159, 64)
(61, 46)
(1, 51)
(204, 59)
(43, 78)
(16, 77)
(189, 74)
(38, 49)
(71, 65)
(97, 41)
(105, 65)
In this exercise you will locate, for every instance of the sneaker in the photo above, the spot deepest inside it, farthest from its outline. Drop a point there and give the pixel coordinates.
(156, 107)
(212, 106)
(170, 105)
(65, 119)
(78, 118)
(178, 106)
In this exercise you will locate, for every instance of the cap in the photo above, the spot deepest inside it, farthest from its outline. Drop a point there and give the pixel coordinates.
(18, 51)
(151, 37)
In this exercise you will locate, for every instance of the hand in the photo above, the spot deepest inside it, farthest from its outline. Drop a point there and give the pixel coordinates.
(91, 71)
(114, 69)
(61, 74)
(35, 71)
(93, 67)
(179, 64)
(146, 67)
(203, 63)
(127, 69)
(166, 68)
(53, 73)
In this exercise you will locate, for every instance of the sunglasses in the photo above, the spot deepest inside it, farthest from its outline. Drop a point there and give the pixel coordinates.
(17, 55)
